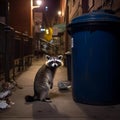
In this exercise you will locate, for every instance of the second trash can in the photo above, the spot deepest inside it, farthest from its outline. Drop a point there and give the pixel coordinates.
(68, 63)
(96, 58)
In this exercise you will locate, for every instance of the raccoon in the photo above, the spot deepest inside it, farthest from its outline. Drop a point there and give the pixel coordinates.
(43, 80)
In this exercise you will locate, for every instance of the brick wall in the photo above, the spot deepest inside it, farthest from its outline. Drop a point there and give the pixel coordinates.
(80, 7)
(113, 5)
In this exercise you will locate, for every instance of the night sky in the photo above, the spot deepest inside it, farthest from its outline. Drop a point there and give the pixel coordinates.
(53, 7)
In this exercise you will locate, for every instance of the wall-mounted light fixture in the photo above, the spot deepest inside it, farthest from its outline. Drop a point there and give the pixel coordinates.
(38, 2)
(59, 13)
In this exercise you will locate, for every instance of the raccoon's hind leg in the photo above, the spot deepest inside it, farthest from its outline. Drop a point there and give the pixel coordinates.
(44, 97)
(36, 96)
(48, 97)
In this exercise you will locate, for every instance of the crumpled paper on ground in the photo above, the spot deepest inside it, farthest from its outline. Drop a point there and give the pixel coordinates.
(3, 104)
(4, 94)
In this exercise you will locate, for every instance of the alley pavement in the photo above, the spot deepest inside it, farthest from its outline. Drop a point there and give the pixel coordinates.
(62, 107)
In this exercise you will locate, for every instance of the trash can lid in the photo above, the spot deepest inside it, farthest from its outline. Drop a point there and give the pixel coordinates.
(101, 15)
(101, 19)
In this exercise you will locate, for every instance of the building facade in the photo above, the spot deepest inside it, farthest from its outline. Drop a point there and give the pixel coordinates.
(75, 8)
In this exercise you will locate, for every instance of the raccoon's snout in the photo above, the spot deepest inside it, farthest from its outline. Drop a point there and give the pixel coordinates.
(54, 65)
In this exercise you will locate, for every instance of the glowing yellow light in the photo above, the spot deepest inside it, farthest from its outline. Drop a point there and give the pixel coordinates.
(59, 13)
(39, 2)
(47, 31)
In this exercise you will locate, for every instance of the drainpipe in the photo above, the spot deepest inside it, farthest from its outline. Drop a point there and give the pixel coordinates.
(67, 22)
(85, 6)
(7, 12)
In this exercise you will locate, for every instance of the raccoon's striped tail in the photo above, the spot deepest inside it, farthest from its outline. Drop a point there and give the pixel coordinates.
(29, 98)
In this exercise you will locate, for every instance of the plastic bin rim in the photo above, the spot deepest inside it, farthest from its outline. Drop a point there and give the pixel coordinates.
(96, 16)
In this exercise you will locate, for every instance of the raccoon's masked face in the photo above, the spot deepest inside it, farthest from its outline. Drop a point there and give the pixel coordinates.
(54, 62)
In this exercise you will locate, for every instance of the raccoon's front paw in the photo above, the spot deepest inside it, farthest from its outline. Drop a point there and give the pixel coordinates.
(46, 100)
(43, 100)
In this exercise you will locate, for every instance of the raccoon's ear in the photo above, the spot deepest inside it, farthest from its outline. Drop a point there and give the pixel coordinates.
(47, 57)
(60, 57)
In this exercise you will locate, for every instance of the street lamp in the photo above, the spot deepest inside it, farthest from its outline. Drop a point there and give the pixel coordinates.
(59, 16)
(59, 13)
(46, 8)
(38, 2)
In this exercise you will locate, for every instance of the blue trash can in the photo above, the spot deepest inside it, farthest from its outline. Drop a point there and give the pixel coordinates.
(96, 58)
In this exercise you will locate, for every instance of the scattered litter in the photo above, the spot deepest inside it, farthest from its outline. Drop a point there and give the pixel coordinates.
(3, 104)
(64, 85)
(5, 93)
